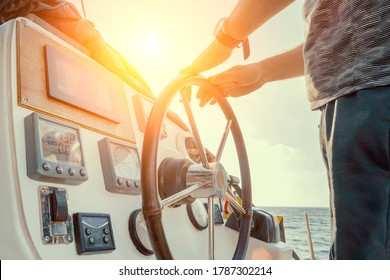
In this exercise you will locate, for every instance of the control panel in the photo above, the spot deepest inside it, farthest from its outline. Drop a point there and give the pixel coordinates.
(93, 232)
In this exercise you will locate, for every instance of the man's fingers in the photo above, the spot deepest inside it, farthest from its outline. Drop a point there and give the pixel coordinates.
(231, 75)
(204, 97)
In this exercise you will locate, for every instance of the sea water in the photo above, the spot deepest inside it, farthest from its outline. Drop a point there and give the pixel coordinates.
(296, 230)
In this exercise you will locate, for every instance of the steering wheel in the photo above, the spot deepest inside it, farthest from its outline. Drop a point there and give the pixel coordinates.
(212, 182)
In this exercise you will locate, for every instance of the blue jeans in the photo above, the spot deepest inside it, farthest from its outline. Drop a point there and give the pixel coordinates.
(355, 142)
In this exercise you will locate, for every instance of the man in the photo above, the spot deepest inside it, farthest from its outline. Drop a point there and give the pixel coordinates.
(346, 62)
(65, 17)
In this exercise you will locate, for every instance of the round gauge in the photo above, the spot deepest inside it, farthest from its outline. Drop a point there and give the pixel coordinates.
(139, 233)
(126, 162)
(197, 214)
(186, 144)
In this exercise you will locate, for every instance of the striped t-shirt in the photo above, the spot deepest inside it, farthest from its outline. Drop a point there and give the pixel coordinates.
(347, 47)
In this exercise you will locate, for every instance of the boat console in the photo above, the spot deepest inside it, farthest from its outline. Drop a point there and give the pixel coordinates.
(93, 168)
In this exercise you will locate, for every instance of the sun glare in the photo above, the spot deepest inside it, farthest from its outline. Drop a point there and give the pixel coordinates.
(151, 42)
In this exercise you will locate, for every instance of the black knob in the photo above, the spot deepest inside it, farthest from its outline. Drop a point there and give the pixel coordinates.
(58, 206)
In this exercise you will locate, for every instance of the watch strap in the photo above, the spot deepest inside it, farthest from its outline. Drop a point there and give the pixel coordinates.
(227, 40)
(231, 42)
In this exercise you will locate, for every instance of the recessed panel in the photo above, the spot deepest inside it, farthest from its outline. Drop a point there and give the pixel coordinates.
(76, 81)
(66, 84)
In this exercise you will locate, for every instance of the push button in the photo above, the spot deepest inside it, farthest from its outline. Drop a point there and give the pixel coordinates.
(71, 171)
(83, 172)
(46, 166)
(59, 169)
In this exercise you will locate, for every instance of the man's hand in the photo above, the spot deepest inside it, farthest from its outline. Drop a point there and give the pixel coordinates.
(237, 81)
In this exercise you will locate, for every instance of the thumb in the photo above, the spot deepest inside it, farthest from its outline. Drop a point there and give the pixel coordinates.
(226, 76)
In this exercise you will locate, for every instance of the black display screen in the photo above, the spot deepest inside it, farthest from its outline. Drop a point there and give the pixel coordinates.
(59, 144)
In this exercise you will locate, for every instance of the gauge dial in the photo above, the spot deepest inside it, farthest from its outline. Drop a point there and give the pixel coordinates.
(126, 162)
(139, 233)
(197, 214)
(121, 166)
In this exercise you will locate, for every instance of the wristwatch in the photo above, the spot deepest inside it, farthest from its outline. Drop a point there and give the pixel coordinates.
(224, 38)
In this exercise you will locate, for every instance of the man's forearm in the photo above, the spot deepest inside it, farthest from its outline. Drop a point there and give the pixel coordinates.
(248, 15)
(289, 64)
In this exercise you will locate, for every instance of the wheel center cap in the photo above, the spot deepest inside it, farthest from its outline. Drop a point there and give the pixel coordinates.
(220, 179)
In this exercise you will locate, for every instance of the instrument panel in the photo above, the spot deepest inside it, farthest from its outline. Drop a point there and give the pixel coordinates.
(55, 154)
(54, 150)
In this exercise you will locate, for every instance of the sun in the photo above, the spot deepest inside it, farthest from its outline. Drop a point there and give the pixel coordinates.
(151, 42)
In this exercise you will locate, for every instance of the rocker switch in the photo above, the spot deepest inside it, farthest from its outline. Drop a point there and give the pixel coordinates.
(58, 206)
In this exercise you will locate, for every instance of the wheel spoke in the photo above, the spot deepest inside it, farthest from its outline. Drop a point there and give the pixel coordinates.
(210, 208)
(234, 203)
(223, 141)
(186, 102)
(180, 195)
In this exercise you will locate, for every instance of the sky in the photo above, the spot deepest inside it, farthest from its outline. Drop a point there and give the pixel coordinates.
(160, 37)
